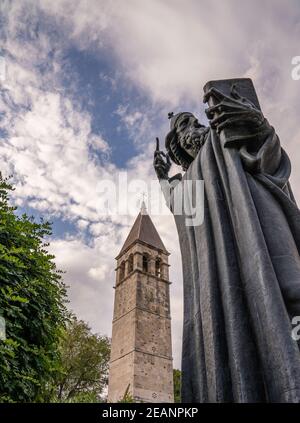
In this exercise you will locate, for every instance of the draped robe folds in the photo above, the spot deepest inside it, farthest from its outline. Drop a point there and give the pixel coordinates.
(241, 275)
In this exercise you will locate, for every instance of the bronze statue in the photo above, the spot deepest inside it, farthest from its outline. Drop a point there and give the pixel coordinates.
(241, 266)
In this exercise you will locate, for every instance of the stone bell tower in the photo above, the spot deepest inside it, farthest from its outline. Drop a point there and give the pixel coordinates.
(141, 351)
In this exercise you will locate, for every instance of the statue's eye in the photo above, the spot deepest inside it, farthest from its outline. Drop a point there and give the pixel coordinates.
(184, 123)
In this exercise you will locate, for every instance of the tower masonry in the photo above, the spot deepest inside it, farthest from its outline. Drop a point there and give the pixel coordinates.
(141, 351)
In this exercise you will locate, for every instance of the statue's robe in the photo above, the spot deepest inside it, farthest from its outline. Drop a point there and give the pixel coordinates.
(241, 276)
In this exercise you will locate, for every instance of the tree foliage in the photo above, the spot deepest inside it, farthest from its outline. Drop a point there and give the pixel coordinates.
(177, 385)
(32, 298)
(83, 372)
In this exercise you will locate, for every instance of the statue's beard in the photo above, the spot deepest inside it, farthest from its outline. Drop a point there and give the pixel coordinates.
(193, 140)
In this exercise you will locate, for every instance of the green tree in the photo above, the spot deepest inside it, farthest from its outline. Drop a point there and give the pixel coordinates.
(32, 302)
(177, 385)
(83, 372)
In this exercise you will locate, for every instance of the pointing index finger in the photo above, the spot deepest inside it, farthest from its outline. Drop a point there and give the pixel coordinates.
(157, 144)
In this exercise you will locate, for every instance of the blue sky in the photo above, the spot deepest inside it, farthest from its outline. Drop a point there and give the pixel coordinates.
(87, 89)
(101, 92)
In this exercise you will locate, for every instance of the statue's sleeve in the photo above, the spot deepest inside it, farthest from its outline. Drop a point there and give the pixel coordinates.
(168, 186)
(269, 163)
(263, 157)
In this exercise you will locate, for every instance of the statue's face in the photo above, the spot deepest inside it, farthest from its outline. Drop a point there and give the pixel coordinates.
(189, 132)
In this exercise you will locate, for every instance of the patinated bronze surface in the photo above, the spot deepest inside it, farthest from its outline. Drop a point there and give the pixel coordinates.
(241, 266)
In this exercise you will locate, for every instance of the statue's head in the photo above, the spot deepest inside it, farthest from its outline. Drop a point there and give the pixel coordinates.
(185, 138)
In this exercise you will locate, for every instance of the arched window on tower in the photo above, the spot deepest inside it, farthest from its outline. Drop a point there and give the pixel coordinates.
(145, 262)
(130, 263)
(122, 270)
(158, 267)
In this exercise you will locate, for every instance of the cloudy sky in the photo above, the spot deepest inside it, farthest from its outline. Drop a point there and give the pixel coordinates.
(86, 89)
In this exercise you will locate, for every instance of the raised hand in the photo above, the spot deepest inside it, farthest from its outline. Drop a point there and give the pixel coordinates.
(161, 162)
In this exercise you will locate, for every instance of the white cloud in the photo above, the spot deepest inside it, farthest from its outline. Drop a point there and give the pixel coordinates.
(49, 147)
(82, 224)
(132, 118)
(170, 49)
(97, 273)
(90, 285)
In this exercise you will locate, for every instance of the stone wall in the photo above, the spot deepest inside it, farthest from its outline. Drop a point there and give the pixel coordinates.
(141, 353)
